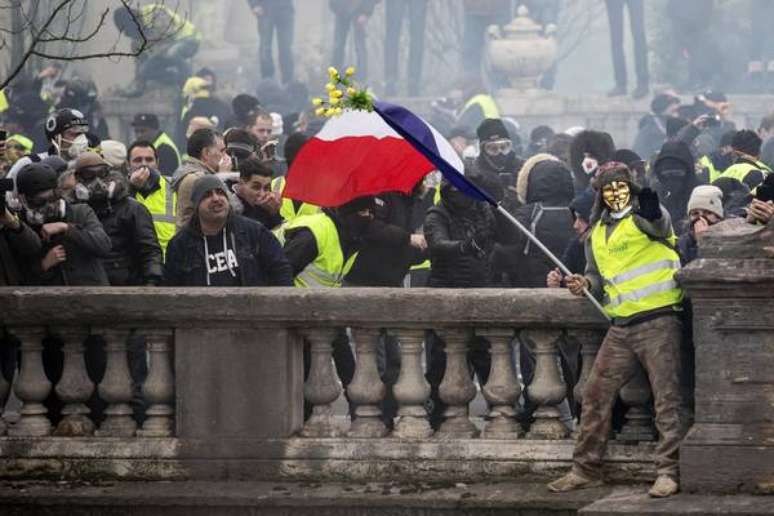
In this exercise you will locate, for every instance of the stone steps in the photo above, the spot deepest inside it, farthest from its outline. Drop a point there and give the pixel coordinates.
(706, 505)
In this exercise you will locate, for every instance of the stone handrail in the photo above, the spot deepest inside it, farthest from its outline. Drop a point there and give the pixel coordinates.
(228, 363)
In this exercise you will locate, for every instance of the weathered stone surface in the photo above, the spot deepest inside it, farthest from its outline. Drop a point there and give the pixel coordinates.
(737, 239)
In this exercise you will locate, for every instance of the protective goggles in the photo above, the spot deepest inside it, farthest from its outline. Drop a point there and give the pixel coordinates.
(498, 147)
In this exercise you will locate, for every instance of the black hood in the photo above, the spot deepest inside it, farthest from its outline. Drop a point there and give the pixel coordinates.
(674, 153)
(597, 143)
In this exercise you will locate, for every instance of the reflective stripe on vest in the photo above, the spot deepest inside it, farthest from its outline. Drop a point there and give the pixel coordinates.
(163, 139)
(177, 26)
(287, 208)
(328, 269)
(638, 272)
(740, 171)
(162, 205)
(714, 173)
(487, 105)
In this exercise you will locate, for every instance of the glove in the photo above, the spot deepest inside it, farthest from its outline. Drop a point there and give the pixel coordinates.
(649, 209)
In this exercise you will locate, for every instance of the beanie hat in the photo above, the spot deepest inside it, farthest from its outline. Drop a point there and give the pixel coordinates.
(610, 172)
(89, 159)
(114, 152)
(707, 197)
(747, 141)
(203, 185)
(56, 163)
(492, 129)
(582, 203)
(21, 140)
(35, 178)
(662, 101)
(626, 156)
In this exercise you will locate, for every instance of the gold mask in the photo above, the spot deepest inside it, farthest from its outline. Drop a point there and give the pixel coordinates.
(617, 195)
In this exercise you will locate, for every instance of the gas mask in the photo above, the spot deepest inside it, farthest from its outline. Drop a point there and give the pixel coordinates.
(93, 185)
(77, 146)
(45, 208)
(499, 152)
(589, 165)
(617, 196)
(672, 178)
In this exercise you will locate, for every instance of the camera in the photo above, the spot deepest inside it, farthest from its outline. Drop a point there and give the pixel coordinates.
(713, 121)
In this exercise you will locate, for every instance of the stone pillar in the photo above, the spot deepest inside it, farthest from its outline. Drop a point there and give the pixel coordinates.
(322, 387)
(366, 390)
(75, 387)
(730, 447)
(457, 389)
(547, 389)
(32, 387)
(502, 390)
(411, 390)
(116, 387)
(636, 394)
(159, 386)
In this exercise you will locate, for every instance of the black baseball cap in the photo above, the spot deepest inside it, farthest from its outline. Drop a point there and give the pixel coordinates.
(146, 120)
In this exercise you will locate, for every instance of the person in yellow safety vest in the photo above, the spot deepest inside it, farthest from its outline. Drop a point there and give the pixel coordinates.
(631, 267)
(290, 209)
(747, 168)
(153, 190)
(176, 41)
(478, 108)
(146, 128)
(17, 146)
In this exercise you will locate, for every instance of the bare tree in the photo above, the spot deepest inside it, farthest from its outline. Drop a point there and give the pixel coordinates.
(56, 30)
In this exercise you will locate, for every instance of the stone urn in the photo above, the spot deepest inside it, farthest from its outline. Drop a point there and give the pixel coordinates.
(521, 51)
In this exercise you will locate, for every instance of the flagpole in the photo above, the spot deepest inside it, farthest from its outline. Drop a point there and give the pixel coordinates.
(550, 255)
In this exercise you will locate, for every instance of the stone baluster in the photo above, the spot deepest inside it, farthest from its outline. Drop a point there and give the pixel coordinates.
(457, 389)
(75, 387)
(32, 387)
(502, 390)
(366, 390)
(547, 389)
(322, 387)
(116, 387)
(589, 341)
(5, 389)
(159, 386)
(636, 394)
(411, 390)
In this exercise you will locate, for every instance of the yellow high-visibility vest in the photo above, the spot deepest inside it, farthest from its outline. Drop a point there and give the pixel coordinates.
(739, 171)
(162, 205)
(164, 139)
(287, 209)
(638, 272)
(329, 268)
(714, 173)
(179, 27)
(487, 104)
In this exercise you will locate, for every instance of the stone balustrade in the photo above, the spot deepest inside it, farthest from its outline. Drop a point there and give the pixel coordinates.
(224, 392)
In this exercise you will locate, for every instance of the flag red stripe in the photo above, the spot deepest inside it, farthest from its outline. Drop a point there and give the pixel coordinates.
(330, 173)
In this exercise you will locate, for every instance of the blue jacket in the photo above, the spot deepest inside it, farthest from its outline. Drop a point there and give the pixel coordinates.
(262, 261)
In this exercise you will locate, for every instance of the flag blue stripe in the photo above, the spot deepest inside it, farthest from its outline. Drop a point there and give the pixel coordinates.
(419, 135)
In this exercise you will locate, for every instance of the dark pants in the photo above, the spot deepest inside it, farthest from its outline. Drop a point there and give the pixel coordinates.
(168, 62)
(479, 362)
(615, 9)
(341, 29)
(282, 23)
(396, 11)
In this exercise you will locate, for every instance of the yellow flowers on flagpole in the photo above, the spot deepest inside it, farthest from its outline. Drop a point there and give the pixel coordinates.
(343, 93)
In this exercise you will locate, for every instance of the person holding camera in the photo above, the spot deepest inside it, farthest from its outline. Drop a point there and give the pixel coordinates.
(761, 209)
(18, 242)
(747, 167)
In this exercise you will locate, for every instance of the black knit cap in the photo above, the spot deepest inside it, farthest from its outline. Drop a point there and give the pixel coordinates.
(203, 185)
(492, 129)
(747, 141)
(35, 178)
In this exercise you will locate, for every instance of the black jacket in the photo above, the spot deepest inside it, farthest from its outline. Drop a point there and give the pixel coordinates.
(446, 232)
(675, 195)
(135, 257)
(387, 253)
(16, 248)
(545, 187)
(85, 244)
(259, 254)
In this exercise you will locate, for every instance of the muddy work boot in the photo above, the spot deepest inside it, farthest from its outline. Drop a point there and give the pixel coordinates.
(664, 486)
(573, 481)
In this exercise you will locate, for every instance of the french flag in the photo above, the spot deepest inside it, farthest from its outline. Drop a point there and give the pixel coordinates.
(361, 153)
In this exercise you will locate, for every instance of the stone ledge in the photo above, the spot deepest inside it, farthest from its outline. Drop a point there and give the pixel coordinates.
(320, 459)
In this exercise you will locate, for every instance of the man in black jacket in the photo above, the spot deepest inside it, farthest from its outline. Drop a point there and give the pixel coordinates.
(221, 249)
(135, 257)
